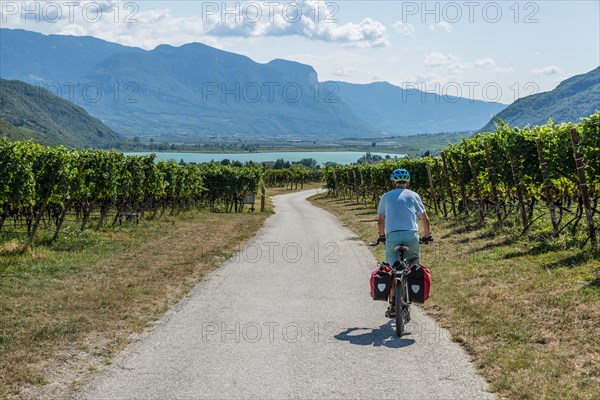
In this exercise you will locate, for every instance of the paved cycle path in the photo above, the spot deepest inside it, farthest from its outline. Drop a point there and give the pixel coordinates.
(290, 317)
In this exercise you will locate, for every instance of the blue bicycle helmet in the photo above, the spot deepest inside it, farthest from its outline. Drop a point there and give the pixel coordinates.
(400, 175)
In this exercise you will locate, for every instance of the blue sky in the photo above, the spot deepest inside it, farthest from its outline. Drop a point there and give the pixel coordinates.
(495, 51)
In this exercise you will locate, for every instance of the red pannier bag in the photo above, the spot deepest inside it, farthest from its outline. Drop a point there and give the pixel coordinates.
(419, 282)
(381, 282)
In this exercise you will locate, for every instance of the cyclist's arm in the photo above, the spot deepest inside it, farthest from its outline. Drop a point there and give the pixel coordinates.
(381, 224)
(426, 226)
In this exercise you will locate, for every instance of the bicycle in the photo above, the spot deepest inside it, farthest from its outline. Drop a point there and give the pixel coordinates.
(400, 272)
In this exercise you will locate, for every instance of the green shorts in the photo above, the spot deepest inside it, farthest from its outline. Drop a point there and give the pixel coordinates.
(409, 239)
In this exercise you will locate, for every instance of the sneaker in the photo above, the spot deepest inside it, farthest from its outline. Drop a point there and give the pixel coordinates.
(390, 313)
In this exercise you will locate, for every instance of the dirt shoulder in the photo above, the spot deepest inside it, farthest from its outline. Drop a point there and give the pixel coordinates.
(66, 310)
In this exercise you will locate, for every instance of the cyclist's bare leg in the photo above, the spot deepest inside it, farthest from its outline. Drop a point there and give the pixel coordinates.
(390, 310)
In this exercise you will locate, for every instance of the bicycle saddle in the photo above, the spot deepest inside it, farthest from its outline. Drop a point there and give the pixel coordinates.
(401, 249)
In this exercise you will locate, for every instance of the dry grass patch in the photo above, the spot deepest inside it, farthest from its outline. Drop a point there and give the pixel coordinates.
(66, 309)
(528, 312)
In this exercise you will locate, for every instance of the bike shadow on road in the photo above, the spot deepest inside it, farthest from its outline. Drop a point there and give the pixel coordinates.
(385, 335)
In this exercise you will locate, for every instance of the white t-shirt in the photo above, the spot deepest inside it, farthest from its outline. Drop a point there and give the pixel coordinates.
(401, 207)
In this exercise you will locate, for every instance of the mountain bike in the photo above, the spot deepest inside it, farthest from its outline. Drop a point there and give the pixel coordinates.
(400, 271)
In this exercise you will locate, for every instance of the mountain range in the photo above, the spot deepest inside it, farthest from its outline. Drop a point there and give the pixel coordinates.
(30, 112)
(197, 90)
(400, 111)
(574, 98)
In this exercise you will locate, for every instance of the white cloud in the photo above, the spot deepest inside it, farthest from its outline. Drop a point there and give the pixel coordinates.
(115, 23)
(367, 33)
(504, 69)
(443, 25)
(546, 71)
(437, 59)
(149, 28)
(485, 63)
(404, 28)
(451, 63)
(491, 65)
(442, 69)
(447, 68)
(346, 72)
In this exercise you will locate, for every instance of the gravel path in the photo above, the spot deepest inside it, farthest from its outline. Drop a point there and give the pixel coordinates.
(291, 317)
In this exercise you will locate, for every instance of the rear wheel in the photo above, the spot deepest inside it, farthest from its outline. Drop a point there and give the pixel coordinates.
(399, 306)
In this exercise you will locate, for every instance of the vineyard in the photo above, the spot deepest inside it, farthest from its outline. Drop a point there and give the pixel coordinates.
(292, 177)
(547, 175)
(524, 177)
(542, 182)
(44, 187)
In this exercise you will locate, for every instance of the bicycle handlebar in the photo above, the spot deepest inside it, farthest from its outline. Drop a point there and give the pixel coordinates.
(424, 239)
(376, 242)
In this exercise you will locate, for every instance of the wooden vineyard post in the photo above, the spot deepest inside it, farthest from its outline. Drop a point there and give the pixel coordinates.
(583, 187)
(350, 187)
(494, 182)
(431, 188)
(4, 215)
(515, 173)
(63, 216)
(443, 196)
(36, 224)
(39, 215)
(355, 186)
(546, 178)
(448, 185)
(477, 193)
(463, 192)
(262, 190)
(335, 186)
(362, 186)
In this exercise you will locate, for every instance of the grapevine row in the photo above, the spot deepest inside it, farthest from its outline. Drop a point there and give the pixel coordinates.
(292, 177)
(46, 184)
(507, 171)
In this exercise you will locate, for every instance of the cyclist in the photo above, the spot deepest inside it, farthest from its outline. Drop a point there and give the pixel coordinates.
(399, 211)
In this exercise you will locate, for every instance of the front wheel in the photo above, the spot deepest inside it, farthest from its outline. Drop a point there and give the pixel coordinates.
(400, 307)
(407, 302)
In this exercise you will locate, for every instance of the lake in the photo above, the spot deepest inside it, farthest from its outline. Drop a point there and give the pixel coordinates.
(341, 157)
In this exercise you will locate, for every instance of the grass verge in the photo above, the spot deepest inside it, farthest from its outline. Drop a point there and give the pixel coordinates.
(528, 313)
(67, 308)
